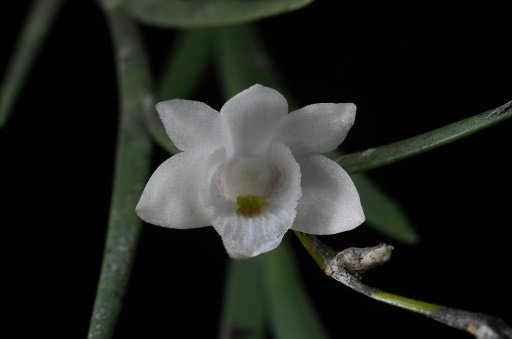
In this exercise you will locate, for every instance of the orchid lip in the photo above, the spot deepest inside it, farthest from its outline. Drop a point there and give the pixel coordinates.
(250, 205)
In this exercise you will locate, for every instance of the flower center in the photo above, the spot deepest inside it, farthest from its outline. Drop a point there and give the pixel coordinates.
(246, 180)
(250, 205)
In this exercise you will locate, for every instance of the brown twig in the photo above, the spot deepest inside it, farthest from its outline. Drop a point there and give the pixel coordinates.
(346, 266)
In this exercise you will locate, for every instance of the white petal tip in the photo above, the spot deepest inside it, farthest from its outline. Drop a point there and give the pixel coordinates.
(358, 221)
(350, 106)
(237, 256)
(160, 106)
(349, 110)
(139, 210)
(140, 213)
(258, 86)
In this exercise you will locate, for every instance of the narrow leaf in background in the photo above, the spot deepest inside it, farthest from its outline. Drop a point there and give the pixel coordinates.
(243, 314)
(291, 312)
(187, 61)
(184, 69)
(387, 154)
(36, 26)
(242, 61)
(131, 173)
(382, 213)
(193, 14)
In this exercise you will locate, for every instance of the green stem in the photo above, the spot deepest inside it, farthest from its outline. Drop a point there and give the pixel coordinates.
(409, 304)
(131, 172)
(36, 27)
(482, 326)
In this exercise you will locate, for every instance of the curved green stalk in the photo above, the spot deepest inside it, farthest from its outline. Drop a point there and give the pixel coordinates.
(36, 27)
(131, 172)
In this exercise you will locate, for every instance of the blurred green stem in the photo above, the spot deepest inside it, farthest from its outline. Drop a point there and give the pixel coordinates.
(37, 24)
(131, 172)
(482, 326)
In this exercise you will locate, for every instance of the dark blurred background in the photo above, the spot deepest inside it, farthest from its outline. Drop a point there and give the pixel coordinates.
(409, 70)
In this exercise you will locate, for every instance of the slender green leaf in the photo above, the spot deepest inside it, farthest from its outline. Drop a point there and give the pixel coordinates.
(198, 13)
(36, 26)
(388, 154)
(187, 62)
(186, 65)
(291, 311)
(131, 172)
(382, 212)
(242, 62)
(243, 314)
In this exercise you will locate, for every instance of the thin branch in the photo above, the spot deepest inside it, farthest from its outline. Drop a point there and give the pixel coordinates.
(346, 266)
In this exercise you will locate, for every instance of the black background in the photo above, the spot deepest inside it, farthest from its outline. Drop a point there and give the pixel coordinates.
(409, 70)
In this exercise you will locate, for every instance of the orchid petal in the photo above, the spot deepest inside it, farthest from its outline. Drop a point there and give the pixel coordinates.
(330, 203)
(317, 128)
(171, 197)
(191, 124)
(251, 117)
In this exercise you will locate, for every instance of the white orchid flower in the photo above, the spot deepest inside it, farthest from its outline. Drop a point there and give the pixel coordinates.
(253, 171)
